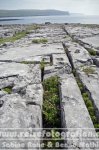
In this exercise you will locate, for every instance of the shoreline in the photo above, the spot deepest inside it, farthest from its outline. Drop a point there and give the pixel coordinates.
(52, 19)
(9, 19)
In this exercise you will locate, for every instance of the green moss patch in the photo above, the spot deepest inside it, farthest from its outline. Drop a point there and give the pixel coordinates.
(92, 52)
(38, 41)
(8, 90)
(89, 70)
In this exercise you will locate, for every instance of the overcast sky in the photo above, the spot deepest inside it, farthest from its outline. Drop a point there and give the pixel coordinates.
(89, 7)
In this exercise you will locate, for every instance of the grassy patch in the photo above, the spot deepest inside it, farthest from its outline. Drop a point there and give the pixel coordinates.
(90, 108)
(17, 36)
(92, 52)
(89, 70)
(51, 106)
(33, 27)
(80, 85)
(8, 90)
(38, 41)
(51, 109)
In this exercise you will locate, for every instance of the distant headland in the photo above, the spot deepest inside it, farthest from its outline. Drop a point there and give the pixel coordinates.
(31, 12)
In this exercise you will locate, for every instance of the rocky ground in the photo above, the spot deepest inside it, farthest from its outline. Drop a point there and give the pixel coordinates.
(69, 51)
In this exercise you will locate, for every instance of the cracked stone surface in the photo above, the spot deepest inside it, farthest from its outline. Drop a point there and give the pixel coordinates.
(91, 83)
(60, 66)
(72, 103)
(21, 90)
(90, 80)
(77, 54)
(22, 109)
(94, 41)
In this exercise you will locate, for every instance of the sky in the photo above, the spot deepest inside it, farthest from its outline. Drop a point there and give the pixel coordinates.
(87, 7)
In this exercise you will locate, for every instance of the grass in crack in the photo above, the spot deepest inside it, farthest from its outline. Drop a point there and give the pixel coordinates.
(90, 107)
(27, 62)
(92, 52)
(38, 41)
(8, 90)
(42, 66)
(89, 104)
(51, 108)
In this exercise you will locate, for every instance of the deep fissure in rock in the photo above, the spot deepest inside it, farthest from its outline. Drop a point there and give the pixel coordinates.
(42, 66)
(51, 106)
(51, 109)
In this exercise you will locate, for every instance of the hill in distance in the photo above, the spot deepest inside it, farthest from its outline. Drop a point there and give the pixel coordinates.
(30, 12)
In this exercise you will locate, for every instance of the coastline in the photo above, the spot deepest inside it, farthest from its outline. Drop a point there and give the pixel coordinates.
(9, 19)
(52, 19)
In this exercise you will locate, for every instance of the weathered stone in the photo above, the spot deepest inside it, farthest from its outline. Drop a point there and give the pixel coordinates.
(91, 83)
(24, 73)
(74, 113)
(88, 74)
(60, 66)
(17, 115)
(94, 41)
(60, 59)
(81, 31)
(23, 108)
(47, 59)
(2, 93)
(35, 93)
(20, 72)
(77, 55)
(25, 53)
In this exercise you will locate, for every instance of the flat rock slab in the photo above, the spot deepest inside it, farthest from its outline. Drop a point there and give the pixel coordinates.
(91, 83)
(60, 66)
(18, 116)
(81, 31)
(88, 74)
(77, 54)
(21, 111)
(94, 41)
(26, 73)
(26, 53)
(74, 113)
(60, 59)
(34, 94)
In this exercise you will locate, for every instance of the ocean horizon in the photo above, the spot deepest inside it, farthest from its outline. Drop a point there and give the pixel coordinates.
(53, 19)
